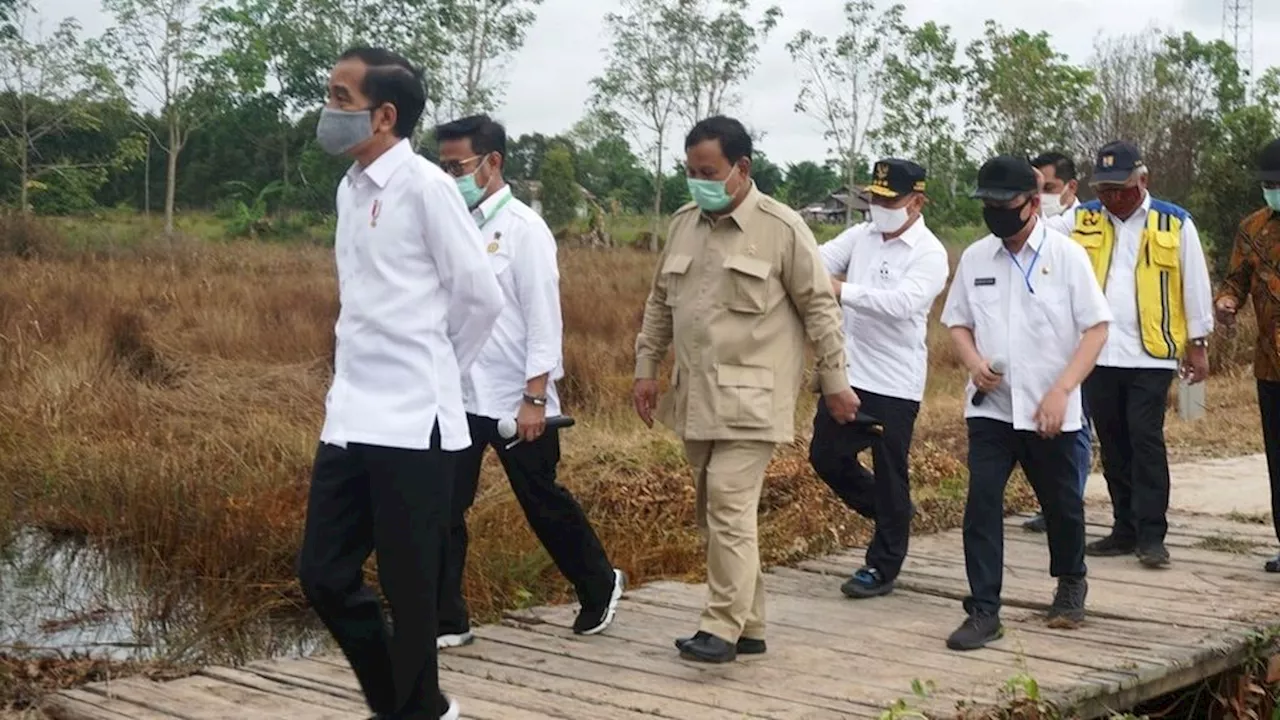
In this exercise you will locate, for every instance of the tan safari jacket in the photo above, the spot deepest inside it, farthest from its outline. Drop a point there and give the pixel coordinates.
(738, 296)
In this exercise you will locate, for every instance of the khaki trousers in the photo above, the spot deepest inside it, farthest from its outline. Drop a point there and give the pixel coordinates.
(729, 475)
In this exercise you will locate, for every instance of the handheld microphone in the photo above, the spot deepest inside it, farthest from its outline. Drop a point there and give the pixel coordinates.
(997, 367)
(507, 427)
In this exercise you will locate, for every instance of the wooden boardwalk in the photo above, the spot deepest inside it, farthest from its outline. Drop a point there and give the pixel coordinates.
(1149, 632)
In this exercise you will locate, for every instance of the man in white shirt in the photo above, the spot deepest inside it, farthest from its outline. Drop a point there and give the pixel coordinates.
(1147, 257)
(515, 378)
(1028, 321)
(417, 303)
(893, 269)
(1058, 203)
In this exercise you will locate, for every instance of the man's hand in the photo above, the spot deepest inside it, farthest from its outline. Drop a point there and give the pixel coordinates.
(1226, 310)
(645, 396)
(1051, 413)
(984, 379)
(836, 286)
(531, 422)
(1195, 367)
(843, 406)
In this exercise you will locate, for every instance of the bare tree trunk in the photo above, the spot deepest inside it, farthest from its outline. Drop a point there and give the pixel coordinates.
(146, 182)
(171, 176)
(655, 244)
(850, 177)
(24, 188)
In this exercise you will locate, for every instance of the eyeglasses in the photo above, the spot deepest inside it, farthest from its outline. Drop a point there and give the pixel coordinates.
(457, 168)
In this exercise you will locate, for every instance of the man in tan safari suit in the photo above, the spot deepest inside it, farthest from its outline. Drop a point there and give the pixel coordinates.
(739, 288)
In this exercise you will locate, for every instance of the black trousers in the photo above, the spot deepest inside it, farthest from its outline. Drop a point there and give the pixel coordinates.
(883, 497)
(1128, 407)
(1051, 466)
(551, 510)
(1269, 403)
(395, 502)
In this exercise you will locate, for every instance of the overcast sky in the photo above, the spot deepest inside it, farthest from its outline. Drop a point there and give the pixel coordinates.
(548, 82)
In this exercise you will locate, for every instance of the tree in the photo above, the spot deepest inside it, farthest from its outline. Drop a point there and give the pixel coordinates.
(808, 182)
(155, 49)
(1024, 95)
(921, 93)
(642, 83)
(1130, 106)
(766, 175)
(716, 47)
(842, 78)
(486, 33)
(560, 193)
(50, 89)
(1226, 188)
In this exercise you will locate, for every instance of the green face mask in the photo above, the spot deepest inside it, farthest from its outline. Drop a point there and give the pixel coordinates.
(710, 195)
(1273, 198)
(471, 191)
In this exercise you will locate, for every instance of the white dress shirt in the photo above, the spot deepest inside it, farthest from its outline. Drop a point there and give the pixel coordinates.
(526, 340)
(418, 300)
(1124, 342)
(1065, 222)
(1032, 320)
(890, 287)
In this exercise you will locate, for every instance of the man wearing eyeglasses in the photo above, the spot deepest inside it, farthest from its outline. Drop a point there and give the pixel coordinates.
(514, 377)
(1146, 254)
(1255, 270)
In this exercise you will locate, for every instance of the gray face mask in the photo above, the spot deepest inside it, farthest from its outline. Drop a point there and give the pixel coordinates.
(340, 130)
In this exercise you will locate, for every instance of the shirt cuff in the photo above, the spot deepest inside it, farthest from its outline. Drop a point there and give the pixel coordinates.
(1199, 327)
(646, 369)
(850, 294)
(834, 381)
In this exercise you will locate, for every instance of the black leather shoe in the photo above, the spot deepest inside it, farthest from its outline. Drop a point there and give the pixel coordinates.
(746, 646)
(1154, 556)
(1110, 546)
(707, 648)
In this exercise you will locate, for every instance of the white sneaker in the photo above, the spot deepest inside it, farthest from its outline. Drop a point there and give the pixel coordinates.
(453, 713)
(444, 642)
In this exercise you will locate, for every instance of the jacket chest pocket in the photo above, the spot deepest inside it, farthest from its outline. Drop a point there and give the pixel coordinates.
(1163, 247)
(674, 273)
(746, 288)
(744, 396)
(499, 256)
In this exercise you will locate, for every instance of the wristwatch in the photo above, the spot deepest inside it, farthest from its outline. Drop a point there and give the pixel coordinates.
(1198, 342)
(536, 400)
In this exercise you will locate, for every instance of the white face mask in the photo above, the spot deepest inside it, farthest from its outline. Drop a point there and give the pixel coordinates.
(887, 220)
(1051, 205)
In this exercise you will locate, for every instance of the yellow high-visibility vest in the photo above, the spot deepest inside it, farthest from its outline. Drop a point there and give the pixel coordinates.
(1158, 274)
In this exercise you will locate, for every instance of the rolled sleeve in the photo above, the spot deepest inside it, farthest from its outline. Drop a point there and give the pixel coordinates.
(957, 311)
(1197, 289)
(538, 289)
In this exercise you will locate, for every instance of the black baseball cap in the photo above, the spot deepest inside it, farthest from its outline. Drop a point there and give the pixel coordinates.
(1269, 163)
(893, 178)
(1116, 163)
(1005, 177)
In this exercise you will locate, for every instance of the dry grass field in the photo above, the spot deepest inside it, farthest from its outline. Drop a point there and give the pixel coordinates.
(164, 400)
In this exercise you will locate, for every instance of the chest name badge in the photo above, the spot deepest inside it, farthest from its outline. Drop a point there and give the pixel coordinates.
(984, 282)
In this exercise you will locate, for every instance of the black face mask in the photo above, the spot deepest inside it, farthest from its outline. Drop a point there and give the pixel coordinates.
(1004, 223)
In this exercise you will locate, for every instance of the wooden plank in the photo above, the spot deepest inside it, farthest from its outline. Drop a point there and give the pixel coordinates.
(275, 687)
(468, 686)
(336, 672)
(181, 702)
(266, 704)
(79, 705)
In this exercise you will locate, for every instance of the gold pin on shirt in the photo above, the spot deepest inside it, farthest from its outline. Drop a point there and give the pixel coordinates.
(493, 246)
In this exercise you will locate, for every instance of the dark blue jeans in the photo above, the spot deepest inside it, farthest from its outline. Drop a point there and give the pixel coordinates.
(995, 448)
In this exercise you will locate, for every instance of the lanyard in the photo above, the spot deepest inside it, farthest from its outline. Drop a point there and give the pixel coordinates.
(501, 204)
(1026, 274)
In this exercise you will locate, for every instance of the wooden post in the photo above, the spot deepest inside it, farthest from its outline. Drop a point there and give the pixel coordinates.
(1190, 400)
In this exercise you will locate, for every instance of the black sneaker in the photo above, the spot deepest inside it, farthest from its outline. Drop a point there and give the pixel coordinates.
(1272, 565)
(1110, 546)
(1154, 556)
(745, 645)
(976, 631)
(866, 583)
(1035, 524)
(594, 620)
(1067, 611)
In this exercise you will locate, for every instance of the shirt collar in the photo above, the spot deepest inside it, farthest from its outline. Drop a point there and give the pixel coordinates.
(485, 211)
(380, 171)
(1033, 243)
